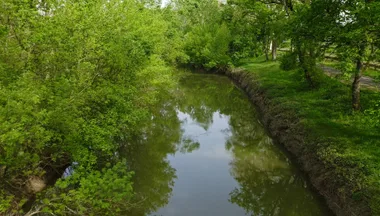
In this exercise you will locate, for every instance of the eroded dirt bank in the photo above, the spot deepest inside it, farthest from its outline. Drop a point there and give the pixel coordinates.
(287, 130)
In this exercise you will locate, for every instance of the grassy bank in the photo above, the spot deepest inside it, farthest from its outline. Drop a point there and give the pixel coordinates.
(347, 144)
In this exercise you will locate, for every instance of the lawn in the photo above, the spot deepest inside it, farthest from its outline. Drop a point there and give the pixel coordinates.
(346, 140)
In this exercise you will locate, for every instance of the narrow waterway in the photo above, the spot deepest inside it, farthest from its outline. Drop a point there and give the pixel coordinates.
(205, 153)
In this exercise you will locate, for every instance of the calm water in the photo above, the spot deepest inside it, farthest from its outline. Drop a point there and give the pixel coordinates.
(206, 153)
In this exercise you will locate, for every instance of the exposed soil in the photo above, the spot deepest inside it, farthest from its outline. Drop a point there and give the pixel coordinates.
(287, 130)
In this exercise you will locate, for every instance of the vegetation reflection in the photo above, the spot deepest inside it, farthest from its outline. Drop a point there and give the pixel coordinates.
(267, 181)
(154, 177)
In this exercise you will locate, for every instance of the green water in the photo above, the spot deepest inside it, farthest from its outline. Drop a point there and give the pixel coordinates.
(205, 153)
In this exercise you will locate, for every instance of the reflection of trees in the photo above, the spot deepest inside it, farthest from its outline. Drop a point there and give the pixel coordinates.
(187, 145)
(147, 157)
(203, 95)
(154, 177)
(267, 183)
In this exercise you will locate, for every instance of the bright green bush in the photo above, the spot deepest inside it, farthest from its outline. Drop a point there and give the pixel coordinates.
(207, 46)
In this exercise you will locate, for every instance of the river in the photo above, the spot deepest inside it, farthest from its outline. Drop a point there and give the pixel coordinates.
(206, 153)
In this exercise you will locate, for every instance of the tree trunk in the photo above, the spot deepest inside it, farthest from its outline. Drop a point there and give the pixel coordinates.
(266, 50)
(306, 70)
(291, 45)
(356, 85)
(308, 77)
(274, 50)
(289, 4)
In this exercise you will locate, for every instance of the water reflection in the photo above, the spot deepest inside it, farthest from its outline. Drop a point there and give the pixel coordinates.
(205, 153)
(234, 169)
(268, 184)
(147, 157)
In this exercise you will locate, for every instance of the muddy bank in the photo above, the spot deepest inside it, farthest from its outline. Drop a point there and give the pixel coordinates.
(288, 131)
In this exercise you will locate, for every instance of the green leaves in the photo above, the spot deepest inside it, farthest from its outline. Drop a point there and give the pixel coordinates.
(75, 80)
(86, 192)
(207, 37)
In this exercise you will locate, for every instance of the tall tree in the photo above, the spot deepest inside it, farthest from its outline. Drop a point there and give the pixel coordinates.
(358, 38)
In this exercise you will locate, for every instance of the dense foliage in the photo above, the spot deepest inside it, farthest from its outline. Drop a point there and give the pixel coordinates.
(78, 80)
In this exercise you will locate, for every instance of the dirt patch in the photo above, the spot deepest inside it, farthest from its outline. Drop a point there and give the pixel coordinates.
(287, 130)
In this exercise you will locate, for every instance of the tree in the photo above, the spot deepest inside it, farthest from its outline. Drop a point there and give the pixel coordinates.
(240, 21)
(76, 79)
(352, 26)
(266, 24)
(206, 36)
(357, 42)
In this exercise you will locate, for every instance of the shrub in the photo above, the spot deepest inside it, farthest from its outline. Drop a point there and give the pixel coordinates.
(288, 61)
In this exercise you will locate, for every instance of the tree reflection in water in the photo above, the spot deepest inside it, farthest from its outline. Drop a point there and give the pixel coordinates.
(147, 157)
(268, 183)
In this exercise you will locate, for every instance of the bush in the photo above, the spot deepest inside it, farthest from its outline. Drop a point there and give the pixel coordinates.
(288, 61)
(207, 46)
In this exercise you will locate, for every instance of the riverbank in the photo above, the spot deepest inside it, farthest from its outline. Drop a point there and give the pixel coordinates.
(338, 150)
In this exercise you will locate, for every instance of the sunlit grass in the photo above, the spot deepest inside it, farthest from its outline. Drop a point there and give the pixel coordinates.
(351, 143)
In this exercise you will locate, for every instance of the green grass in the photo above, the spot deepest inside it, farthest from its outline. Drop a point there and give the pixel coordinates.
(346, 140)
(373, 73)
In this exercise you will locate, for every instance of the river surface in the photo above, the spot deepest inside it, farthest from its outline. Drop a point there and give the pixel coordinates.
(205, 153)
